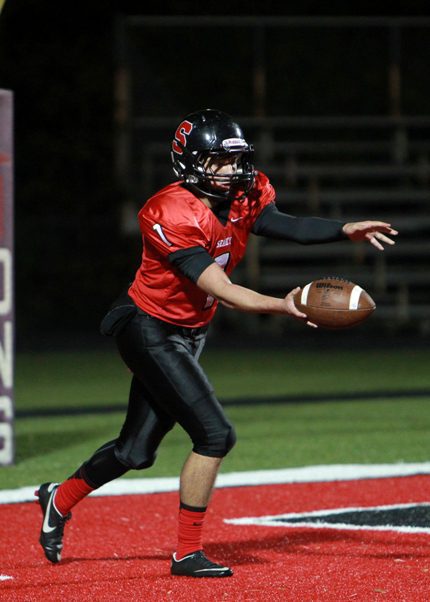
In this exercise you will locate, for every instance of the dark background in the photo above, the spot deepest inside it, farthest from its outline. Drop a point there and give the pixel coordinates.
(59, 60)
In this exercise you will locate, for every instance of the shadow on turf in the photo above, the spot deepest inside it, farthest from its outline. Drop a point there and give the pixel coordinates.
(30, 445)
(297, 544)
(303, 542)
(163, 557)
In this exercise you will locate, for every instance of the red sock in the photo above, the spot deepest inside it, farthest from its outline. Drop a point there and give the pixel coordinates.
(189, 530)
(69, 493)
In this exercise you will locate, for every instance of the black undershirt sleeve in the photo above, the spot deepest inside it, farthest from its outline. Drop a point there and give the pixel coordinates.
(191, 262)
(304, 230)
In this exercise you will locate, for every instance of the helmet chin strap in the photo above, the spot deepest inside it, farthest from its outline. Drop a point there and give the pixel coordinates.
(202, 192)
(204, 187)
(212, 195)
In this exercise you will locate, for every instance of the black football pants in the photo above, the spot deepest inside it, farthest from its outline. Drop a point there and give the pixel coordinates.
(168, 386)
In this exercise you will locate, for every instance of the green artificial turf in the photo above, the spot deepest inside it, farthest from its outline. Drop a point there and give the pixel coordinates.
(97, 378)
(269, 435)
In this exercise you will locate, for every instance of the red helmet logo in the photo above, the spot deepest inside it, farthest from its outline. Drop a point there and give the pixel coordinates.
(181, 134)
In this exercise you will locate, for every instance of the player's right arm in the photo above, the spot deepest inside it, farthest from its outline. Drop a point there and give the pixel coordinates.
(215, 282)
(183, 243)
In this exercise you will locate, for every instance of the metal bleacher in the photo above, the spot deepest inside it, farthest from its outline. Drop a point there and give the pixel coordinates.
(346, 168)
(353, 173)
(347, 164)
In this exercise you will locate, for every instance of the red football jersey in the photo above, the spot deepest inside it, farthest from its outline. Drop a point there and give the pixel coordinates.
(175, 219)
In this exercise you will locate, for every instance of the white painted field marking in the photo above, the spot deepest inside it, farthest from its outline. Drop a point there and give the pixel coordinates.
(282, 520)
(304, 474)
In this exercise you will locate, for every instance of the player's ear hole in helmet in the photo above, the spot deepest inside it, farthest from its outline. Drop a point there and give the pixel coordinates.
(210, 153)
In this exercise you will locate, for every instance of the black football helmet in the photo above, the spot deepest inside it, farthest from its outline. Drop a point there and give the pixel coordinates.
(212, 134)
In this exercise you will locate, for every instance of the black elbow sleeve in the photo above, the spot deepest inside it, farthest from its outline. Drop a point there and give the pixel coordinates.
(305, 230)
(191, 262)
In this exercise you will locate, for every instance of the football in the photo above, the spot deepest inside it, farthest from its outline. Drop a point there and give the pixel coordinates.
(334, 303)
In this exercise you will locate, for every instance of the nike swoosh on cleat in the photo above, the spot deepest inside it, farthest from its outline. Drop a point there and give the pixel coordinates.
(46, 528)
(222, 568)
(184, 558)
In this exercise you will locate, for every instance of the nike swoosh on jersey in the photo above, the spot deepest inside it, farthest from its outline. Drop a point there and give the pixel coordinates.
(46, 528)
(235, 219)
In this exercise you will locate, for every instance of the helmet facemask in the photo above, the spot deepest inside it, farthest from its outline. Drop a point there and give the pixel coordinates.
(203, 142)
(211, 179)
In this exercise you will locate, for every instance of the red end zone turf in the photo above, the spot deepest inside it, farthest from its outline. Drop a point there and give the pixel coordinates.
(112, 552)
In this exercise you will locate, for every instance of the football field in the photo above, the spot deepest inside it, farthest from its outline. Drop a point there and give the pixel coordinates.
(289, 409)
(338, 411)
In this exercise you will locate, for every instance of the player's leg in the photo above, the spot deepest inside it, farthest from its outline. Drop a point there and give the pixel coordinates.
(136, 447)
(145, 426)
(198, 478)
(177, 384)
(213, 438)
(196, 485)
(56, 500)
(141, 434)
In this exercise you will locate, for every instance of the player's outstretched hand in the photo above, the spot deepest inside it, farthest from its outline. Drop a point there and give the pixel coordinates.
(292, 310)
(374, 232)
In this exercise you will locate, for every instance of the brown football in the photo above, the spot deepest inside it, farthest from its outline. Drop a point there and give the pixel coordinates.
(334, 303)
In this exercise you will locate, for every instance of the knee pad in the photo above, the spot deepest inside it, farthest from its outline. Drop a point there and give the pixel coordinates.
(230, 440)
(218, 443)
(136, 459)
(102, 467)
(137, 449)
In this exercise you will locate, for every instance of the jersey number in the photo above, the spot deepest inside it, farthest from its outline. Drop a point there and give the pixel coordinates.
(222, 261)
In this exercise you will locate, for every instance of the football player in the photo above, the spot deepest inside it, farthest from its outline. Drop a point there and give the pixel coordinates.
(194, 233)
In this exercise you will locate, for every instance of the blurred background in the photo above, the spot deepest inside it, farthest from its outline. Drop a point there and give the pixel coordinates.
(337, 107)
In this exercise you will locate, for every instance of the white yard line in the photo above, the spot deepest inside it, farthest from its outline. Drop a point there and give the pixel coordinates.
(305, 474)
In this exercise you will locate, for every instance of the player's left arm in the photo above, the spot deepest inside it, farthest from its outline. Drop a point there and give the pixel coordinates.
(272, 223)
(315, 230)
(374, 232)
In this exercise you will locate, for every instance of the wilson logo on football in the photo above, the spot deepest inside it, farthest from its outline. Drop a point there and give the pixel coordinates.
(181, 134)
